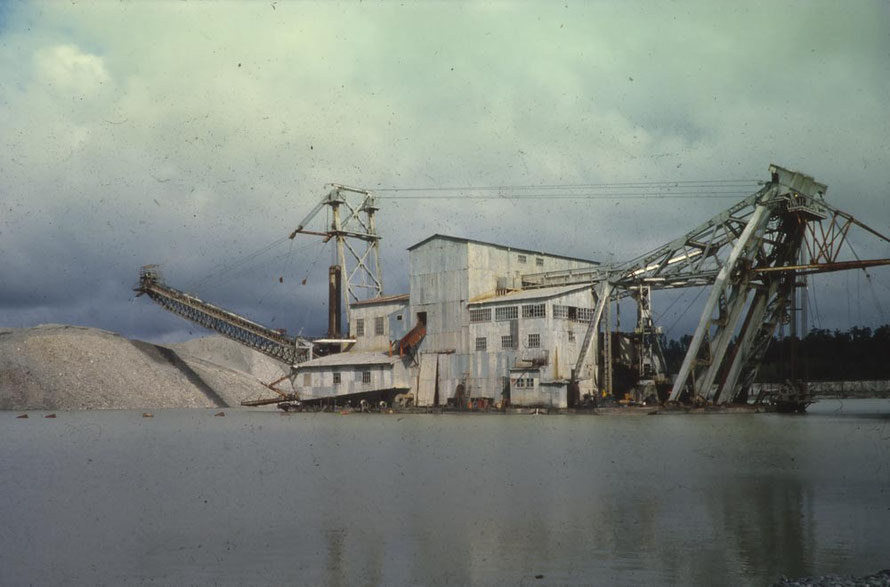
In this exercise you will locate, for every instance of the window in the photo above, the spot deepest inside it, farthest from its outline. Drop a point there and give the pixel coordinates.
(360, 327)
(573, 313)
(307, 379)
(507, 342)
(520, 382)
(534, 341)
(534, 311)
(378, 325)
(480, 314)
(481, 343)
(571, 336)
(366, 377)
(506, 313)
(522, 258)
(336, 379)
(539, 262)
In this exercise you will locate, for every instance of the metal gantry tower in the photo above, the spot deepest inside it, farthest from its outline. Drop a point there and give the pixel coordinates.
(353, 227)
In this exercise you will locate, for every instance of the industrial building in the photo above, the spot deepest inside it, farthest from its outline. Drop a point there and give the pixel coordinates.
(466, 331)
(489, 324)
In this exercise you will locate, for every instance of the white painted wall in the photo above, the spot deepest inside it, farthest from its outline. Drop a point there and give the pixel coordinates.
(369, 312)
(315, 382)
(489, 366)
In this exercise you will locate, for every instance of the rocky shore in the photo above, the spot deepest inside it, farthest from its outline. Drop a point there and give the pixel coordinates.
(879, 579)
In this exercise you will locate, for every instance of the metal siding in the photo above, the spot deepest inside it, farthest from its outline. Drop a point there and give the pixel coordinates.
(426, 379)
(445, 274)
(399, 328)
(323, 381)
(449, 376)
(370, 341)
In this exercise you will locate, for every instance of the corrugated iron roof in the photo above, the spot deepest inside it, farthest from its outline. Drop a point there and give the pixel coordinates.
(382, 300)
(347, 359)
(478, 242)
(528, 294)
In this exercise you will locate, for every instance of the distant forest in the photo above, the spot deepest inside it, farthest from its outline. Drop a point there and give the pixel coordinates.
(857, 354)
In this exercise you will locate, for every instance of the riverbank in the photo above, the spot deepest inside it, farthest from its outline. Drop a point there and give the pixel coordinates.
(880, 579)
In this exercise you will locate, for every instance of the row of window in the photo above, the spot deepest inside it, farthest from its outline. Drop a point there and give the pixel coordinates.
(524, 382)
(538, 260)
(508, 342)
(379, 322)
(360, 377)
(534, 341)
(505, 313)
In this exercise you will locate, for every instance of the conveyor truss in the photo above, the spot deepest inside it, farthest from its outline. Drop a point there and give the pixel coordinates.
(268, 341)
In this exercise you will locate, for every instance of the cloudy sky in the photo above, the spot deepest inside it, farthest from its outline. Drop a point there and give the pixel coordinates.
(194, 134)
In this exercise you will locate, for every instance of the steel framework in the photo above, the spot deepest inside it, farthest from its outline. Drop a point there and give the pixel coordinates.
(749, 256)
(354, 229)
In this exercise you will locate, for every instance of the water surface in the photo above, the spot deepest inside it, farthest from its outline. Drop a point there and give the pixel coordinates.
(258, 497)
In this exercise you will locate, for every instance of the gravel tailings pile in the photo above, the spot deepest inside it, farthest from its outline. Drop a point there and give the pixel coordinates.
(222, 351)
(58, 367)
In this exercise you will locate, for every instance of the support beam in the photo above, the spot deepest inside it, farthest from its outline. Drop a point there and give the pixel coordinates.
(590, 343)
(755, 223)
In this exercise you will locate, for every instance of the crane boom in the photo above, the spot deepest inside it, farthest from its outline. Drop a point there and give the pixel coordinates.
(238, 328)
(750, 256)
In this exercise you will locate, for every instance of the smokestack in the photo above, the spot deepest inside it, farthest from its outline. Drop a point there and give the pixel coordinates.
(334, 325)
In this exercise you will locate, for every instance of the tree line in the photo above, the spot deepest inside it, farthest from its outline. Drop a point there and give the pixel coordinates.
(857, 354)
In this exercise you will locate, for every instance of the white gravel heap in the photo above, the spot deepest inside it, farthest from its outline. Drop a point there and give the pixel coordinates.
(59, 367)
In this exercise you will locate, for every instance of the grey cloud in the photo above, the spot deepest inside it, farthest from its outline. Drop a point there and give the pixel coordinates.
(132, 135)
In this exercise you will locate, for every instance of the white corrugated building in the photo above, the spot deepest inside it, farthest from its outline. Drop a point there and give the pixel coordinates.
(484, 336)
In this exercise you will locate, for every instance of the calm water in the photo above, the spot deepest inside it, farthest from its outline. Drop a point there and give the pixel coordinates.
(260, 497)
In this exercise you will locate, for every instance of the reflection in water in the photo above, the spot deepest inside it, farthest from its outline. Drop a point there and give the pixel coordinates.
(773, 533)
(259, 498)
(336, 566)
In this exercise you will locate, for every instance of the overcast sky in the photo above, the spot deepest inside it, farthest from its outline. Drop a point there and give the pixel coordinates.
(192, 134)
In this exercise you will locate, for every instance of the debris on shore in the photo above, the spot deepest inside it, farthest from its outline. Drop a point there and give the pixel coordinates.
(879, 579)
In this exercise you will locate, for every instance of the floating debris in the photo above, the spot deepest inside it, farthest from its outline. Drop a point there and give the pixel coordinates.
(220, 414)
(147, 415)
(22, 416)
(50, 416)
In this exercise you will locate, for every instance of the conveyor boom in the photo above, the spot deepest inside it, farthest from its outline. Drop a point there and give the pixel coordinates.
(238, 328)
